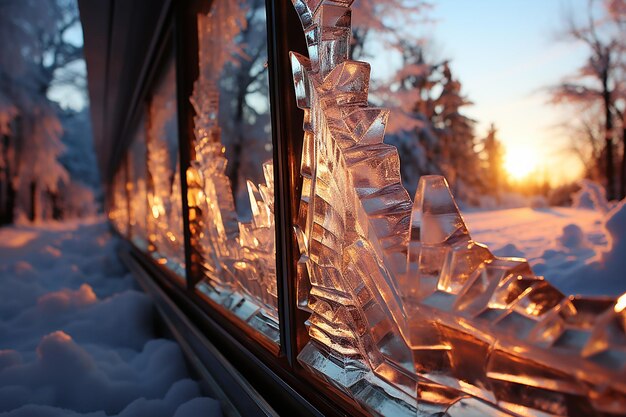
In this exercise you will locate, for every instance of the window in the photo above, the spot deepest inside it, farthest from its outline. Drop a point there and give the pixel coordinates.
(118, 206)
(231, 178)
(138, 197)
(365, 294)
(165, 222)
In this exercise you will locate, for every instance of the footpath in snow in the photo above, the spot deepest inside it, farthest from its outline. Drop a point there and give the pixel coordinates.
(76, 335)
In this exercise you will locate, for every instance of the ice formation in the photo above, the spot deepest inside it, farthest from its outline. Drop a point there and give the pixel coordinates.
(410, 316)
(118, 212)
(235, 260)
(137, 191)
(76, 338)
(165, 223)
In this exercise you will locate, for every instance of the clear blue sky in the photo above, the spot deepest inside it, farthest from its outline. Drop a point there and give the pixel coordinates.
(505, 52)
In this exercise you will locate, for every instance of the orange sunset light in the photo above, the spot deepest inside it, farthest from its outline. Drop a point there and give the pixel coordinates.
(519, 163)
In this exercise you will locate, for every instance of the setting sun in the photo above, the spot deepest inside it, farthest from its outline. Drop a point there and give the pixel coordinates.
(519, 163)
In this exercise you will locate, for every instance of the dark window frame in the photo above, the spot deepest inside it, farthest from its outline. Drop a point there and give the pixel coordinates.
(272, 370)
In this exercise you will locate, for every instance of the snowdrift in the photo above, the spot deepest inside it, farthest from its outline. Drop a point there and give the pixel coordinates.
(76, 337)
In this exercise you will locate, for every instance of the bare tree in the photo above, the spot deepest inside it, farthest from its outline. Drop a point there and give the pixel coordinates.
(391, 22)
(244, 114)
(586, 137)
(494, 161)
(617, 13)
(599, 78)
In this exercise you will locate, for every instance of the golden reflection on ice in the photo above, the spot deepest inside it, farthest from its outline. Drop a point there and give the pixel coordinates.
(408, 315)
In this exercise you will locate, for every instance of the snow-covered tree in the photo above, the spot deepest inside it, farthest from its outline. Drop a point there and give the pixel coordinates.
(428, 125)
(38, 53)
(82, 195)
(79, 158)
(493, 152)
(427, 122)
(38, 171)
(407, 94)
(390, 22)
(461, 162)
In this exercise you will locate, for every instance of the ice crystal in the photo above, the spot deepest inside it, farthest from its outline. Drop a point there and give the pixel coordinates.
(165, 221)
(118, 212)
(237, 259)
(138, 197)
(410, 316)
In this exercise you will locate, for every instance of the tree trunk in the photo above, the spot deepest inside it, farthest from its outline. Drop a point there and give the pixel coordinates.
(8, 199)
(9, 202)
(57, 212)
(610, 177)
(10, 206)
(608, 138)
(235, 160)
(4, 182)
(33, 201)
(622, 187)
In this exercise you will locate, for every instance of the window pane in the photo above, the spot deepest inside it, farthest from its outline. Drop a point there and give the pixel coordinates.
(137, 171)
(231, 187)
(410, 315)
(118, 210)
(165, 223)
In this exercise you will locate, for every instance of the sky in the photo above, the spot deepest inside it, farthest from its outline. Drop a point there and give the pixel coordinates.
(68, 95)
(505, 53)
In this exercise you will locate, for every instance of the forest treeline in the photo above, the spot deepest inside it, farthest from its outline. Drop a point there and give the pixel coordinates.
(47, 163)
(46, 156)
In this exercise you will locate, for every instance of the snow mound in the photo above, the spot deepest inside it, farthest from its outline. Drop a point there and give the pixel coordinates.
(510, 201)
(538, 202)
(573, 237)
(557, 241)
(590, 196)
(505, 201)
(509, 251)
(65, 299)
(76, 337)
(604, 273)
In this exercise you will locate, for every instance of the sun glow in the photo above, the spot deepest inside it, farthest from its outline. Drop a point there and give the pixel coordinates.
(520, 163)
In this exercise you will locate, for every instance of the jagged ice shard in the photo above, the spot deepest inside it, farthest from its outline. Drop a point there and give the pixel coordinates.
(118, 212)
(165, 217)
(235, 261)
(410, 316)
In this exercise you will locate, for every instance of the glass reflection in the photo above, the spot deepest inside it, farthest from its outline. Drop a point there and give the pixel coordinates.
(231, 183)
(118, 209)
(409, 315)
(138, 198)
(165, 225)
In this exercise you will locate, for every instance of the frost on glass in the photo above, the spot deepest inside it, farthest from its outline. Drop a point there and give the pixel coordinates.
(410, 316)
(138, 198)
(232, 226)
(118, 206)
(165, 222)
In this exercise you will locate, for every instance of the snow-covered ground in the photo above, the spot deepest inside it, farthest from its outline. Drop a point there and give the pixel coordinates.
(580, 250)
(76, 336)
